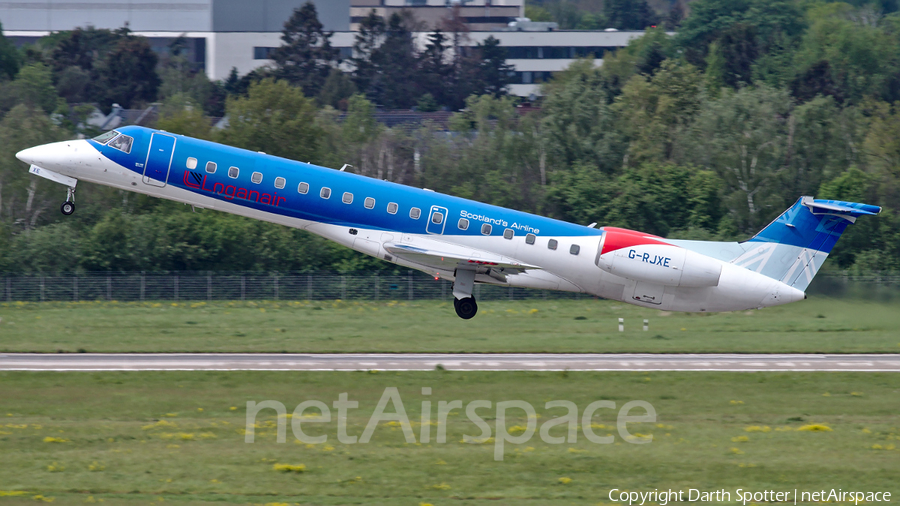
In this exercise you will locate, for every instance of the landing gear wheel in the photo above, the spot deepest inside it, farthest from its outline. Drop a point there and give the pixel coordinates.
(67, 208)
(465, 308)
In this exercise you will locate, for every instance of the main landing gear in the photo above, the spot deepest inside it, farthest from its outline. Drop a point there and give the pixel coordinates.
(465, 308)
(465, 304)
(68, 207)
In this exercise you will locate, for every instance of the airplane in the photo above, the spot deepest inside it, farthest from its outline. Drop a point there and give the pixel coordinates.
(457, 239)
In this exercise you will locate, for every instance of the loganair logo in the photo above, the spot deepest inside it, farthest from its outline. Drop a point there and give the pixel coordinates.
(230, 192)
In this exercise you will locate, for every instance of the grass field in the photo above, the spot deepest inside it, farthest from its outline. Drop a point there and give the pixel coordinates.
(153, 437)
(818, 325)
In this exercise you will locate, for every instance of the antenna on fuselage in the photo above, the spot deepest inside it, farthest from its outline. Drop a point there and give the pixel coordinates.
(592, 225)
(345, 166)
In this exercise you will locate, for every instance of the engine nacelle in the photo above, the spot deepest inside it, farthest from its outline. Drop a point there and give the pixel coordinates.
(661, 264)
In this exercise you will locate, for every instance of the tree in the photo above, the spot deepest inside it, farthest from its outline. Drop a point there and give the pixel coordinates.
(127, 75)
(181, 114)
(337, 89)
(275, 118)
(656, 113)
(9, 57)
(25, 199)
(393, 83)
(629, 14)
(34, 87)
(369, 37)
(744, 30)
(493, 71)
(435, 70)
(744, 136)
(579, 127)
(305, 57)
(861, 58)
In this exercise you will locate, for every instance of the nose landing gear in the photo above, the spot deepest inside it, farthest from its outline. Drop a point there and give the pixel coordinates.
(68, 207)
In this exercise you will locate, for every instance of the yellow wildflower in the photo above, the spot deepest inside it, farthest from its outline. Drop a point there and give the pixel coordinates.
(815, 427)
(289, 468)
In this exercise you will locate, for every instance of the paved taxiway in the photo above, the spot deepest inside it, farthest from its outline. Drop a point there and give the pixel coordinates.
(460, 362)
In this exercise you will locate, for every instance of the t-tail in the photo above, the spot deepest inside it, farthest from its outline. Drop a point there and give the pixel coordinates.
(794, 246)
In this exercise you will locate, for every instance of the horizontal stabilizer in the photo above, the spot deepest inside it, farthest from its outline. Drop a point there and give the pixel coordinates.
(450, 257)
(849, 210)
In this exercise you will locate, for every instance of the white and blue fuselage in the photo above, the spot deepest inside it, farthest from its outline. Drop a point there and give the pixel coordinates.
(458, 239)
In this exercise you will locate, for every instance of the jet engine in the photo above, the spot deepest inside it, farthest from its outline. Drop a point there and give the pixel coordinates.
(643, 257)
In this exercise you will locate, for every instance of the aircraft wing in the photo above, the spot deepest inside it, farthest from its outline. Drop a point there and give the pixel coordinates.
(450, 257)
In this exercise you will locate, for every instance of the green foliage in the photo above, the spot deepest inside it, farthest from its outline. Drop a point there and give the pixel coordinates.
(180, 114)
(9, 58)
(537, 13)
(179, 78)
(25, 200)
(629, 14)
(336, 90)
(127, 74)
(34, 88)
(275, 118)
(858, 57)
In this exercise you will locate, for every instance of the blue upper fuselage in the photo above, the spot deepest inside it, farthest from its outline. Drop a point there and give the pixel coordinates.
(288, 201)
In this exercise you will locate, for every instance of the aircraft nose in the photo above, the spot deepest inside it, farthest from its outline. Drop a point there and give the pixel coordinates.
(29, 155)
(55, 156)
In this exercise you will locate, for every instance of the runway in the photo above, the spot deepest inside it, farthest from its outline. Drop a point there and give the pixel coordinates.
(453, 362)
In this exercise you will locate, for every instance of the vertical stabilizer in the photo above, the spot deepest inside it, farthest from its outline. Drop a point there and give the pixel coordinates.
(794, 246)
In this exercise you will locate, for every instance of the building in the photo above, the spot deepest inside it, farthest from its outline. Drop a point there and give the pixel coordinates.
(226, 34)
(220, 33)
(536, 56)
(478, 15)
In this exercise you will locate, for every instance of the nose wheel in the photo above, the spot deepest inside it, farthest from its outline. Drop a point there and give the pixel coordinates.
(68, 207)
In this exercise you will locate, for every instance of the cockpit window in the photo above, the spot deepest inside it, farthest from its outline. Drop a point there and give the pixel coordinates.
(106, 136)
(122, 143)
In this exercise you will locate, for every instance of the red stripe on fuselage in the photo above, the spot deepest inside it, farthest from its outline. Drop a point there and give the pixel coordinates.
(618, 238)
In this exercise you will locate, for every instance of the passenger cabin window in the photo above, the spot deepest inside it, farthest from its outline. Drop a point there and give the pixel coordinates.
(303, 188)
(233, 172)
(574, 249)
(508, 234)
(211, 167)
(325, 193)
(106, 136)
(414, 213)
(486, 229)
(529, 238)
(122, 143)
(437, 218)
(463, 224)
(256, 177)
(347, 198)
(369, 203)
(392, 208)
(191, 163)
(552, 244)
(279, 182)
